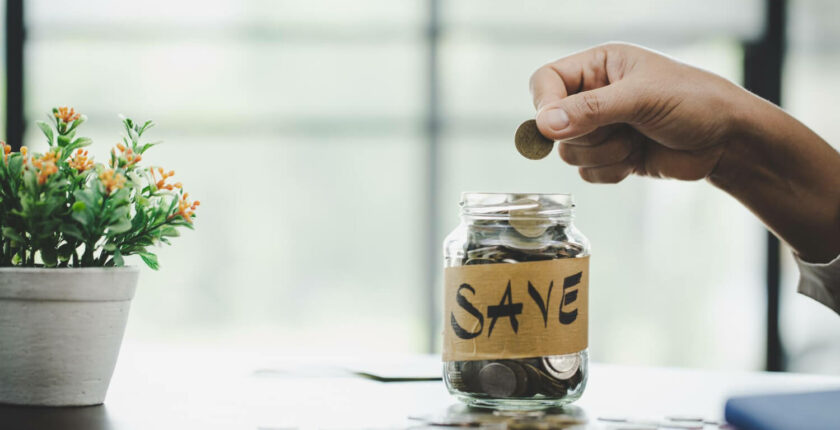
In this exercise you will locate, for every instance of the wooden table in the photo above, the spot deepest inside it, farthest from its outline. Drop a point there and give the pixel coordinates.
(180, 388)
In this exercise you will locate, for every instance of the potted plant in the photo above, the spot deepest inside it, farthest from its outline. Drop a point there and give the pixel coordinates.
(66, 226)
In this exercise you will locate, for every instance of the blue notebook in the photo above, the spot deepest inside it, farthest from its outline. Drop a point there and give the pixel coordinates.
(799, 411)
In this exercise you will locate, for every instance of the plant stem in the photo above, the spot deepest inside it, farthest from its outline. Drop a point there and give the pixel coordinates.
(87, 257)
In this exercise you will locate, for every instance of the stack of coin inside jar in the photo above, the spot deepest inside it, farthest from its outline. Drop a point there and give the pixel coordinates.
(499, 231)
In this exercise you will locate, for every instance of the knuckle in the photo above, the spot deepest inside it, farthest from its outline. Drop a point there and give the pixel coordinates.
(591, 105)
(537, 76)
(614, 45)
(567, 153)
(625, 148)
(612, 178)
(615, 175)
(587, 175)
(601, 175)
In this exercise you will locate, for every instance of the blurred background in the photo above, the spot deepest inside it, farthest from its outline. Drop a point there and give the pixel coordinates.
(329, 141)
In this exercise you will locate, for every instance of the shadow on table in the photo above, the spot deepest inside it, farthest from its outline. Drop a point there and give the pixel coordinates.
(38, 418)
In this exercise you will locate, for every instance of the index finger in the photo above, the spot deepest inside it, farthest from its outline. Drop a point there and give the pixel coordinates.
(578, 72)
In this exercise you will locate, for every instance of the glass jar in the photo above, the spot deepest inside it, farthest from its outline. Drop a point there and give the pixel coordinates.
(516, 302)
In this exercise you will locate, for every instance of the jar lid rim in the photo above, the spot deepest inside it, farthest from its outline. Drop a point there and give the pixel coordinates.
(500, 203)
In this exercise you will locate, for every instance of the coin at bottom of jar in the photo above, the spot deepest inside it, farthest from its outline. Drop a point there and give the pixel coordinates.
(534, 385)
(521, 378)
(469, 374)
(562, 366)
(498, 380)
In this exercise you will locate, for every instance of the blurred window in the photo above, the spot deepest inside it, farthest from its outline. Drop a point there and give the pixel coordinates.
(301, 126)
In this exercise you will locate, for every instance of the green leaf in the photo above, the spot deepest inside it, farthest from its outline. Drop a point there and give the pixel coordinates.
(72, 231)
(15, 165)
(77, 123)
(63, 140)
(88, 196)
(79, 206)
(169, 231)
(146, 147)
(48, 131)
(118, 259)
(84, 217)
(10, 233)
(147, 125)
(150, 259)
(65, 252)
(110, 247)
(49, 256)
(82, 142)
(121, 226)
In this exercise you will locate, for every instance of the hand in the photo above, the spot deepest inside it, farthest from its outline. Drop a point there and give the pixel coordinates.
(620, 109)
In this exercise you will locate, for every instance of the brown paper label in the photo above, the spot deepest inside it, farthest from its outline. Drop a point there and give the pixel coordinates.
(516, 310)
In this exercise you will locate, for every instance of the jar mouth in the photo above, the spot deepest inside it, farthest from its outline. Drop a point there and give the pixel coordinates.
(500, 205)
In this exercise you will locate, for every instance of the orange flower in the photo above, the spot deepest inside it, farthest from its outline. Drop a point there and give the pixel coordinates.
(49, 157)
(80, 161)
(186, 209)
(67, 115)
(111, 180)
(126, 158)
(161, 183)
(48, 170)
(7, 149)
(45, 166)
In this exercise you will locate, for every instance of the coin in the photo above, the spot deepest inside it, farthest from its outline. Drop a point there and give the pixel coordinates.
(519, 414)
(511, 239)
(521, 378)
(562, 366)
(446, 420)
(474, 261)
(469, 374)
(526, 219)
(534, 383)
(497, 380)
(531, 143)
(693, 418)
(613, 419)
(565, 419)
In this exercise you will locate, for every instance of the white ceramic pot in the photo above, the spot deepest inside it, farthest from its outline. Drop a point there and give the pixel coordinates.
(60, 333)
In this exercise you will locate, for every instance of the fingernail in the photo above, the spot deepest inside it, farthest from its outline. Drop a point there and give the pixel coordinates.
(556, 119)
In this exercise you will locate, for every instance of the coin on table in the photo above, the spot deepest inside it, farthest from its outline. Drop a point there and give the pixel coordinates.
(446, 420)
(565, 420)
(690, 418)
(531, 143)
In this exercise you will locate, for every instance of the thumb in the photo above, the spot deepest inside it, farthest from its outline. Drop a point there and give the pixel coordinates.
(582, 113)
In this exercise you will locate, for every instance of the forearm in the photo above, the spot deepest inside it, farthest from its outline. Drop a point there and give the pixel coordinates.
(785, 174)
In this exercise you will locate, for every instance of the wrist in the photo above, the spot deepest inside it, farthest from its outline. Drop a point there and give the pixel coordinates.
(784, 173)
(749, 146)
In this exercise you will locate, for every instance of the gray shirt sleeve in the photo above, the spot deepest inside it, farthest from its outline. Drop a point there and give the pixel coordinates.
(821, 282)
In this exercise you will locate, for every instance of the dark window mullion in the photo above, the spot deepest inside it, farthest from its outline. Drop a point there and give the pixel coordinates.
(15, 122)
